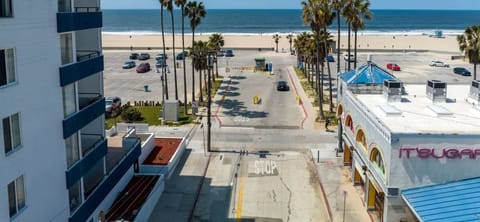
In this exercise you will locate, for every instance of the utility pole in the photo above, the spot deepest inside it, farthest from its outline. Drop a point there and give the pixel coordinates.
(209, 100)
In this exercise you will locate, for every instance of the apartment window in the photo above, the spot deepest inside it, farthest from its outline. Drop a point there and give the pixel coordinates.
(66, 47)
(7, 66)
(69, 99)
(16, 196)
(73, 154)
(6, 8)
(11, 132)
(75, 196)
(64, 6)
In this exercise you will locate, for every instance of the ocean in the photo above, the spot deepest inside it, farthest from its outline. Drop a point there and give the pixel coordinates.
(259, 22)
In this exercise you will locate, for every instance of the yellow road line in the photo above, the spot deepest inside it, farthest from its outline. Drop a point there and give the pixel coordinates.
(238, 214)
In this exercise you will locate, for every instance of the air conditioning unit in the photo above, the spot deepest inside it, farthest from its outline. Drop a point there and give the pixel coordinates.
(437, 90)
(393, 192)
(475, 91)
(392, 90)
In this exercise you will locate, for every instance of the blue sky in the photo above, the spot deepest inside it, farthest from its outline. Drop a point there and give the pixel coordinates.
(295, 4)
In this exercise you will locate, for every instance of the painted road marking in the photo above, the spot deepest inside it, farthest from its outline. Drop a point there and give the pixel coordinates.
(238, 213)
(264, 168)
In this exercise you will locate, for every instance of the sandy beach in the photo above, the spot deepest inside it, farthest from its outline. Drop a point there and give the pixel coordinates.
(447, 44)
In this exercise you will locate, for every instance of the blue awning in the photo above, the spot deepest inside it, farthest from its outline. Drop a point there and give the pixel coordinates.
(450, 202)
(367, 74)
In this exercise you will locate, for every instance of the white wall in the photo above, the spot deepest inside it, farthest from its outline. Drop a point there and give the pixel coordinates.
(37, 96)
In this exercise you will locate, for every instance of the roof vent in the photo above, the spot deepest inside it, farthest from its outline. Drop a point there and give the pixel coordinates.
(390, 110)
(369, 58)
(439, 110)
(392, 90)
(437, 90)
(475, 91)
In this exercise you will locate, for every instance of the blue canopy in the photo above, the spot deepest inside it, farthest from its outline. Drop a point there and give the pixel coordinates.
(367, 74)
(449, 202)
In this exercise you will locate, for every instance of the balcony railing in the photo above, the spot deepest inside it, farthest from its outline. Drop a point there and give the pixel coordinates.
(87, 9)
(80, 119)
(106, 185)
(90, 64)
(90, 141)
(83, 55)
(75, 21)
(79, 169)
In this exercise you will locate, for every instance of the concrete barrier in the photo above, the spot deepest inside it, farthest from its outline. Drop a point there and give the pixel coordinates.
(125, 127)
(148, 206)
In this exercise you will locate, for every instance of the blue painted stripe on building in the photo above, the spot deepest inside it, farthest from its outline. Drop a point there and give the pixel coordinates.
(75, 21)
(85, 164)
(453, 201)
(80, 119)
(80, 70)
(99, 194)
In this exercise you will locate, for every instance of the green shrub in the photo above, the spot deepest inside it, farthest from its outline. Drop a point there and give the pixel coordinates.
(131, 115)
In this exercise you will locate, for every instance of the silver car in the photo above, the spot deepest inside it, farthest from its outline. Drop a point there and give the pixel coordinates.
(439, 64)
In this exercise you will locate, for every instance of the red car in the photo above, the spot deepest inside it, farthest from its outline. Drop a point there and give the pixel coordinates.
(143, 67)
(393, 66)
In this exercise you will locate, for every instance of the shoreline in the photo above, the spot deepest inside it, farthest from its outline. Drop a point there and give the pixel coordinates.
(365, 43)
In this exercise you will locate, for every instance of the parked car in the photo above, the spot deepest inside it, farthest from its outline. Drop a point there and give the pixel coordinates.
(330, 58)
(393, 66)
(128, 64)
(134, 56)
(349, 58)
(143, 67)
(220, 53)
(161, 56)
(161, 63)
(229, 53)
(112, 106)
(144, 56)
(182, 55)
(462, 71)
(439, 64)
(282, 86)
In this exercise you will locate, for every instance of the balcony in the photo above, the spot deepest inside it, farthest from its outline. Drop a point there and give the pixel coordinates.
(88, 63)
(97, 195)
(80, 119)
(83, 18)
(94, 148)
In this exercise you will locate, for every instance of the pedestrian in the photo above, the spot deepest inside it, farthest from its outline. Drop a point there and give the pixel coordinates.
(327, 122)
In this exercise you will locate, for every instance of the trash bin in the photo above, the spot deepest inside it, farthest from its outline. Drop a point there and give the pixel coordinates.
(145, 87)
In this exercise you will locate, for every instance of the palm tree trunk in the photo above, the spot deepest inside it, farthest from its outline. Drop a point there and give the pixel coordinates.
(200, 82)
(216, 67)
(355, 50)
(163, 44)
(475, 71)
(349, 51)
(319, 87)
(329, 73)
(193, 67)
(174, 58)
(184, 69)
(338, 41)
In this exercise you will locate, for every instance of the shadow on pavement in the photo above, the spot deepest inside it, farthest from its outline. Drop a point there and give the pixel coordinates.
(238, 77)
(228, 93)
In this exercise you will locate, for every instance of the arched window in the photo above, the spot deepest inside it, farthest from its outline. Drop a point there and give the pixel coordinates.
(377, 159)
(339, 110)
(361, 139)
(349, 122)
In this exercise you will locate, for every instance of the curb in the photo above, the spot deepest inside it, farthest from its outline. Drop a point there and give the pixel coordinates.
(221, 103)
(305, 114)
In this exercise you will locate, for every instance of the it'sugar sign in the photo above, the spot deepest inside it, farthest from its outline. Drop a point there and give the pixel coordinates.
(266, 167)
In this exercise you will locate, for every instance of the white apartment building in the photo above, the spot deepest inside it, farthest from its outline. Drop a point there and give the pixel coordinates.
(55, 164)
(413, 148)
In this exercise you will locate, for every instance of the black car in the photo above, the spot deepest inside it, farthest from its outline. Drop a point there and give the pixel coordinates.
(161, 63)
(182, 55)
(144, 56)
(462, 71)
(282, 86)
(161, 56)
(134, 56)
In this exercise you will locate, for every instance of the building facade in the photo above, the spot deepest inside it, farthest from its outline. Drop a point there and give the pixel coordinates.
(399, 136)
(55, 163)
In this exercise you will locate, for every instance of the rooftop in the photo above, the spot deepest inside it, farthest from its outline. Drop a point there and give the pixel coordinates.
(418, 114)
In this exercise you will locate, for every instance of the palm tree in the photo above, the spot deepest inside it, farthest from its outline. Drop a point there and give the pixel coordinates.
(164, 79)
(469, 43)
(217, 42)
(347, 13)
(290, 41)
(360, 12)
(338, 6)
(195, 11)
(276, 37)
(169, 6)
(181, 4)
(199, 60)
(311, 16)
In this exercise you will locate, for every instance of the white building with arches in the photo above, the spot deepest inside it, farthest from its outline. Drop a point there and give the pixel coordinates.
(398, 137)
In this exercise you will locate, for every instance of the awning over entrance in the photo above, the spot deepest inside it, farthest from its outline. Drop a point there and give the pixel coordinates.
(454, 201)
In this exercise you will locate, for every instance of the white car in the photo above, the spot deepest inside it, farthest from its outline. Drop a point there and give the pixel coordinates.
(439, 64)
